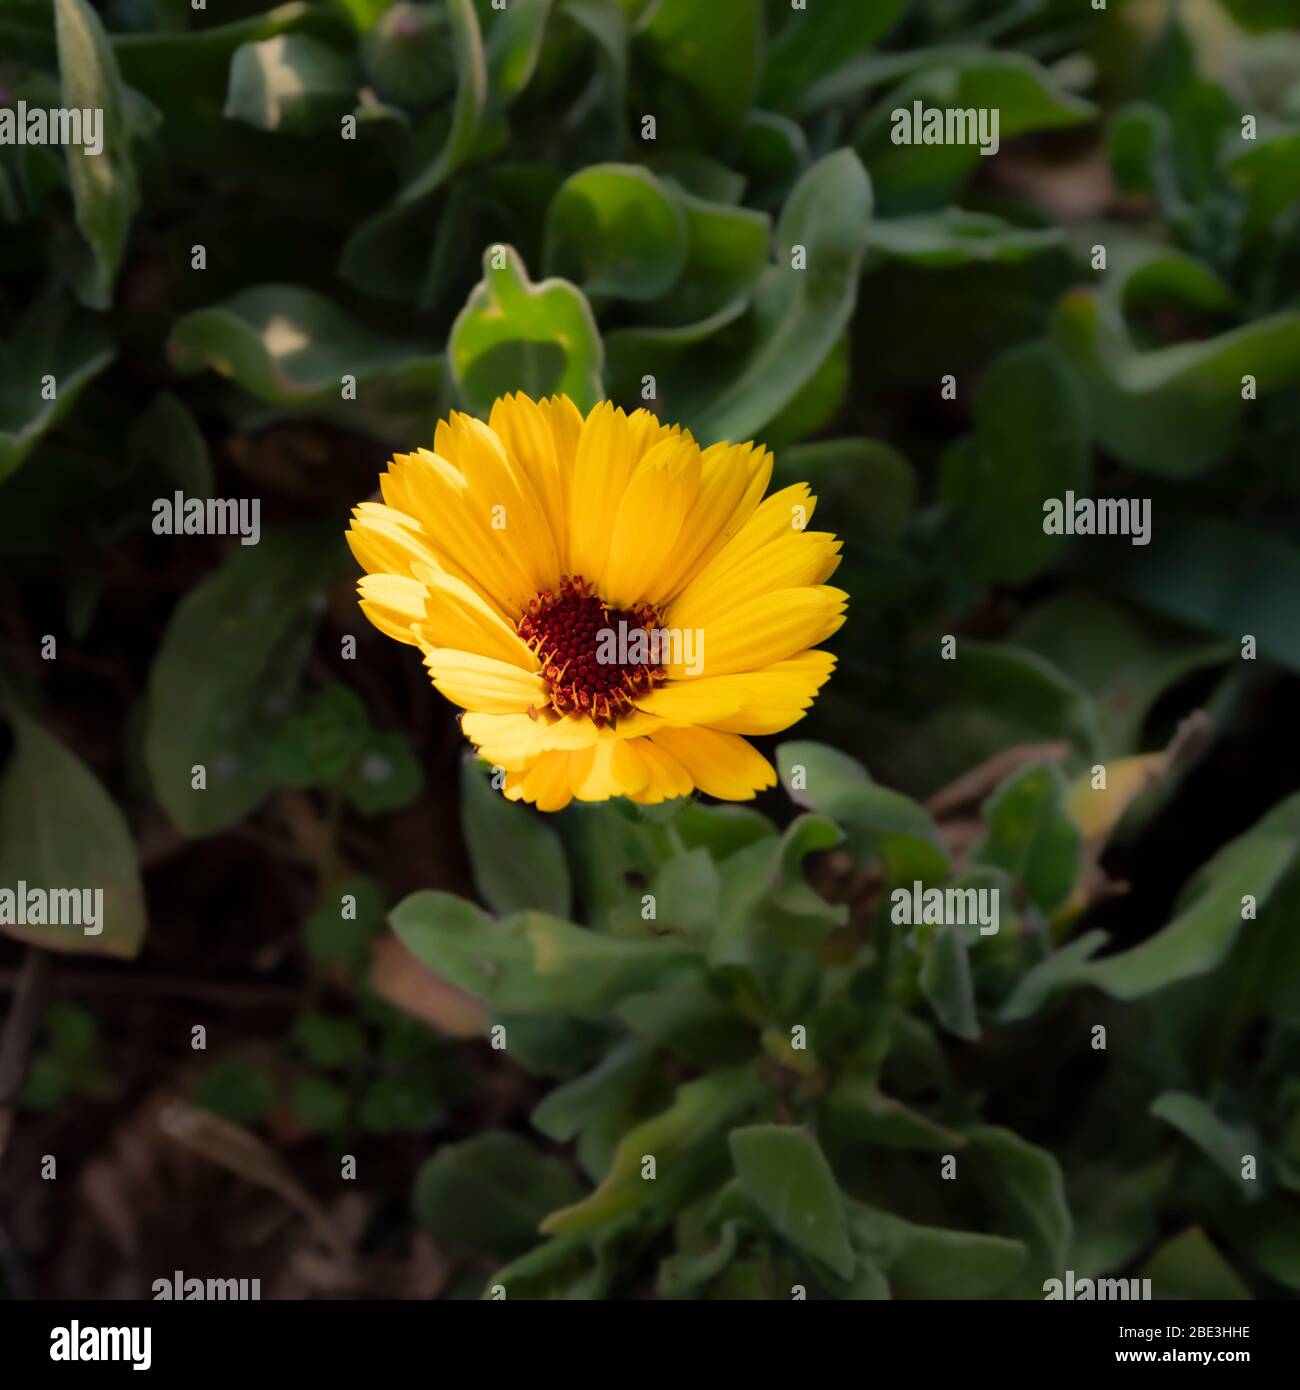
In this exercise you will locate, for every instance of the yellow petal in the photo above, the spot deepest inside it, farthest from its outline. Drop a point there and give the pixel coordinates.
(723, 765)
(482, 683)
(792, 561)
(506, 740)
(601, 471)
(612, 770)
(733, 479)
(777, 696)
(393, 603)
(524, 430)
(386, 541)
(666, 778)
(545, 783)
(456, 616)
(767, 629)
(515, 740)
(703, 701)
(645, 430)
(564, 420)
(504, 495)
(785, 513)
(459, 527)
(650, 517)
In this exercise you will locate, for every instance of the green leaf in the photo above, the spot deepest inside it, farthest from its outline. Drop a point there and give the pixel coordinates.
(48, 1083)
(73, 1033)
(700, 176)
(684, 1275)
(186, 71)
(386, 776)
(773, 923)
(711, 51)
(867, 483)
(329, 1042)
(403, 1104)
(926, 1262)
(1140, 149)
(1260, 14)
(1207, 925)
(692, 1023)
(899, 831)
(1058, 971)
(105, 191)
(566, 1267)
(515, 336)
(945, 980)
(686, 1142)
(815, 41)
(532, 963)
(513, 44)
(409, 56)
(1030, 445)
(1025, 1182)
(1029, 834)
(1223, 1144)
(857, 1112)
(1122, 659)
(957, 237)
(489, 1193)
(1115, 1208)
(598, 1107)
(291, 347)
(771, 149)
(48, 342)
(1022, 688)
(291, 83)
(321, 1104)
(566, 1110)
(225, 671)
(784, 1170)
(321, 739)
(548, 1045)
(607, 851)
(850, 80)
(725, 254)
(799, 314)
(1189, 1266)
(1220, 576)
(1172, 411)
(166, 443)
(517, 859)
(1270, 1233)
(613, 229)
(61, 834)
(467, 110)
(608, 25)
(674, 356)
(817, 402)
(1022, 92)
(1208, 921)
(237, 1091)
(332, 939)
(365, 14)
(1271, 175)
(722, 830)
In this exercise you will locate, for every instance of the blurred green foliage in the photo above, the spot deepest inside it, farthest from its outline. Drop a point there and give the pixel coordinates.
(357, 214)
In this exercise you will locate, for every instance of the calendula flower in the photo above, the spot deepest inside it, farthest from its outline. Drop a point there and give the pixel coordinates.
(612, 606)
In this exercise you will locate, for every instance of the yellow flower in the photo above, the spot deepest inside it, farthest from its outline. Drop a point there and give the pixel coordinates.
(612, 606)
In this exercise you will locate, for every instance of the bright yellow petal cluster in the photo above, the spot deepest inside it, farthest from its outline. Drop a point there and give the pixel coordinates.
(496, 521)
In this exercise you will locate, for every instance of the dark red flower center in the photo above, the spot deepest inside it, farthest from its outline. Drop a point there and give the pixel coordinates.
(588, 651)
